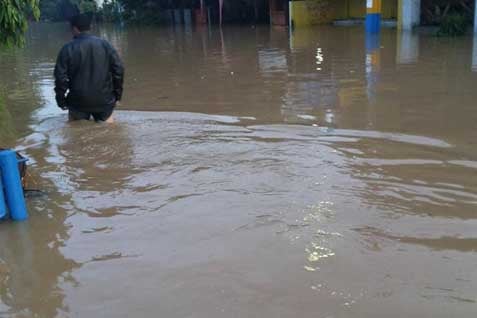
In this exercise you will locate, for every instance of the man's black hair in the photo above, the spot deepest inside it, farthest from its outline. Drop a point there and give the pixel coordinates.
(82, 21)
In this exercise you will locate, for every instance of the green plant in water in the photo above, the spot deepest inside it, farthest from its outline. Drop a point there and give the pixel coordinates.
(14, 16)
(453, 25)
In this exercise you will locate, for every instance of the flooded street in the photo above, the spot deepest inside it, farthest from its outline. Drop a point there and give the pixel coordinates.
(250, 173)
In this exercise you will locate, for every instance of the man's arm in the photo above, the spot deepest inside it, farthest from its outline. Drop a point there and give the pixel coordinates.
(117, 71)
(61, 79)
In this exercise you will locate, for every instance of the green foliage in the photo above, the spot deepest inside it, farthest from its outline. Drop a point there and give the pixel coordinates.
(111, 11)
(143, 17)
(50, 10)
(61, 10)
(435, 11)
(142, 11)
(453, 25)
(87, 6)
(14, 15)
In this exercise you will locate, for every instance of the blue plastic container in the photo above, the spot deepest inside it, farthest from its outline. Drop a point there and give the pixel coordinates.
(13, 186)
(3, 205)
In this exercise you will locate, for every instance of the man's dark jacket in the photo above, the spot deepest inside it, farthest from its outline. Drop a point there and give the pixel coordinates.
(90, 70)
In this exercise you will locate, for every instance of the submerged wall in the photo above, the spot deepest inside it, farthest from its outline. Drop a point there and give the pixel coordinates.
(310, 12)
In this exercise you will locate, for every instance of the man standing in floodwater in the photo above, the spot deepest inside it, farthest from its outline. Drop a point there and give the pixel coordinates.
(88, 75)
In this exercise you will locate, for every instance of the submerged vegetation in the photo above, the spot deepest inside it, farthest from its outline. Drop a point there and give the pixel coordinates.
(454, 25)
(452, 17)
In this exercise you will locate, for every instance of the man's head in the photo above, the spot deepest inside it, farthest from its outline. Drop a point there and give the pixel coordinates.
(81, 23)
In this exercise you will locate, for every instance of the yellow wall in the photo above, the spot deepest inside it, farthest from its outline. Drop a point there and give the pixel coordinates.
(299, 14)
(305, 13)
(302, 14)
(390, 9)
(356, 9)
(340, 8)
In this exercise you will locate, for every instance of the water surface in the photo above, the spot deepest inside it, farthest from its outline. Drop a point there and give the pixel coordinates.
(250, 173)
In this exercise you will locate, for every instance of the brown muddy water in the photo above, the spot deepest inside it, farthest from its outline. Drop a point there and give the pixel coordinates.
(250, 173)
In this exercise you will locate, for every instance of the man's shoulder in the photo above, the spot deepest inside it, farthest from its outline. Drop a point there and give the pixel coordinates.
(99, 40)
(69, 43)
(67, 46)
(77, 43)
(104, 41)
(95, 38)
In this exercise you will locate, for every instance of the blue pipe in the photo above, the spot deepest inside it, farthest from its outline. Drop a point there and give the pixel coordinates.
(373, 22)
(3, 206)
(13, 185)
(373, 42)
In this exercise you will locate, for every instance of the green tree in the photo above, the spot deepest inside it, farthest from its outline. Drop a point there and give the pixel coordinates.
(111, 11)
(61, 10)
(14, 16)
(87, 5)
(50, 10)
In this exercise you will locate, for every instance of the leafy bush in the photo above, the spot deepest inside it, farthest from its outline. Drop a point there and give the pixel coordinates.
(453, 25)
